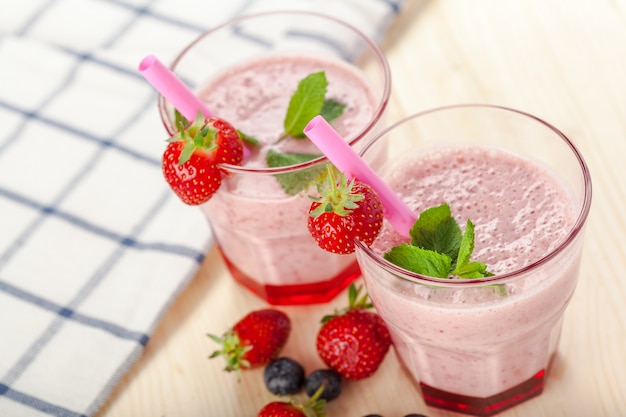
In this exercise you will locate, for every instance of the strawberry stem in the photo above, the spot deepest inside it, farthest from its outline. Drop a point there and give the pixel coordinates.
(314, 407)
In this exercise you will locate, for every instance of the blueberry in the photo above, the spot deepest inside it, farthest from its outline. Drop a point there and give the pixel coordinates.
(329, 377)
(284, 376)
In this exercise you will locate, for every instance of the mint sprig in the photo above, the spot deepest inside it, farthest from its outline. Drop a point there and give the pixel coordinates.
(438, 248)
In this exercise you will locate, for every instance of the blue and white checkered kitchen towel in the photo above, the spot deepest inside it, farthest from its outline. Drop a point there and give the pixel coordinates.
(94, 246)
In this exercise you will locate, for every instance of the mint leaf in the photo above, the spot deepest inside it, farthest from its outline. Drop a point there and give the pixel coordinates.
(499, 288)
(464, 268)
(247, 139)
(305, 103)
(294, 182)
(438, 231)
(331, 110)
(420, 261)
(277, 159)
(471, 270)
(467, 245)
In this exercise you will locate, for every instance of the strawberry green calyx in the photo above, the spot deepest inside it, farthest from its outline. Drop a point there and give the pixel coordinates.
(195, 135)
(344, 212)
(254, 340)
(336, 194)
(232, 350)
(355, 301)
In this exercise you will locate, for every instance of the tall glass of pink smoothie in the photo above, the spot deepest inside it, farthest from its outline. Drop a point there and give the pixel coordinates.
(246, 71)
(479, 346)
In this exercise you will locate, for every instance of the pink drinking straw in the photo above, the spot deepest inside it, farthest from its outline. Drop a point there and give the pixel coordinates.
(350, 163)
(172, 88)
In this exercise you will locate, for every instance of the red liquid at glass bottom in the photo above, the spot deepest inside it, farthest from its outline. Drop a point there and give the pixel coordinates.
(301, 294)
(484, 407)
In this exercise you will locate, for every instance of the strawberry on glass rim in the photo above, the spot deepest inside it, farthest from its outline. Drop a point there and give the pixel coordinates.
(345, 211)
(191, 160)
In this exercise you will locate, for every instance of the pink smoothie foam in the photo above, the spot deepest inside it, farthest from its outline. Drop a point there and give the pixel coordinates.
(476, 342)
(260, 229)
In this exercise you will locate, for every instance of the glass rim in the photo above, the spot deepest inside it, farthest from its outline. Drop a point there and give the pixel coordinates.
(573, 233)
(378, 112)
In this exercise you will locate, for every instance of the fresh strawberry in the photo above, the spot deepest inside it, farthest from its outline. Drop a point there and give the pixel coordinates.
(354, 341)
(254, 340)
(345, 211)
(312, 408)
(191, 160)
(289, 409)
(281, 409)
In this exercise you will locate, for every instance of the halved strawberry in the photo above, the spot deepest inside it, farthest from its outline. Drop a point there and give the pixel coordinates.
(191, 160)
(345, 211)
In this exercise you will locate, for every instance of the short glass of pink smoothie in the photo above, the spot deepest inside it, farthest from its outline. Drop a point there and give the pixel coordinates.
(479, 346)
(246, 71)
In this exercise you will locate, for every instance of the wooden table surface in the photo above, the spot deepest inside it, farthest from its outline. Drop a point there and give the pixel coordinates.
(564, 61)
